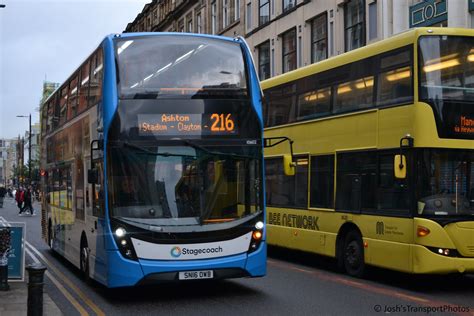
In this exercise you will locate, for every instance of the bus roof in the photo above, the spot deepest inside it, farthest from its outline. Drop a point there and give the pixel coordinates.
(134, 35)
(144, 34)
(396, 41)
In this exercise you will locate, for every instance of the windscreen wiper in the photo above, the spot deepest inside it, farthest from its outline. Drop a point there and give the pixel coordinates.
(217, 153)
(149, 152)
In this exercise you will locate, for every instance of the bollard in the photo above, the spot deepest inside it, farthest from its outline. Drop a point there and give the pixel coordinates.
(4, 278)
(35, 289)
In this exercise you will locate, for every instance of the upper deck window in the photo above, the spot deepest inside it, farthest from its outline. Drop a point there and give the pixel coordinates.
(447, 68)
(446, 82)
(180, 66)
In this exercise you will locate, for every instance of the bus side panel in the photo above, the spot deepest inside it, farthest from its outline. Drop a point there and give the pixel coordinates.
(386, 254)
(311, 231)
(388, 240)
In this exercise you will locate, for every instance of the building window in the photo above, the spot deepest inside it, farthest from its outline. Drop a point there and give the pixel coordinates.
(288, 5)
(319, 38)
(214, 17)
(289, 50)
(331, 39)
(181, 26)
(190, 25)
(263, 12)
(198, 23)
(300, 50)
(373, 20)
(264, 60)
(354, 24)
(225, 13)
(249, 16)
(273, 62)
(236, 10)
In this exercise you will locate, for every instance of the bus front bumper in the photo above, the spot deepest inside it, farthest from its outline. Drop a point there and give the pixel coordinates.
(426, 261)
(130, 273)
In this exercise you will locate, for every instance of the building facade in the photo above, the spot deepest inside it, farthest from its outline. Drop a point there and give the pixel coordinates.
(288, 34)
(35, 142)
(221, 17)
(8, 160)
(3, 161)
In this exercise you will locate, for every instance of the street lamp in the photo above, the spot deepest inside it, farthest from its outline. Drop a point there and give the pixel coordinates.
(29, 148)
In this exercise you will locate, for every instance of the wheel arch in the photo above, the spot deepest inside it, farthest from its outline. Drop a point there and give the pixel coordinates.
(341, 235)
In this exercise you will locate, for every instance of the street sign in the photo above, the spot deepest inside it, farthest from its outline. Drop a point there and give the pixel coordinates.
(16, 258)
(16, 254)
(428, 13)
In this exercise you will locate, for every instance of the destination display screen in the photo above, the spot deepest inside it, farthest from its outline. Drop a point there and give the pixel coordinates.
(178, 124)
(464, 126)
(455, 120)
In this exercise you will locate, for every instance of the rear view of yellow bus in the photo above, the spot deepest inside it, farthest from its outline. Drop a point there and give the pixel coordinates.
(383, 155)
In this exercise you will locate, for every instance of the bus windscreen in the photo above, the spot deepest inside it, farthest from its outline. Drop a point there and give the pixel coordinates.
(150, 68)
(446, 67)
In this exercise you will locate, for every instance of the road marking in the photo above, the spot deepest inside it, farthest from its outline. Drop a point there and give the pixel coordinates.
(81, 294)
(63, 278)
(366, 287)
(61, 288)
(4, 222)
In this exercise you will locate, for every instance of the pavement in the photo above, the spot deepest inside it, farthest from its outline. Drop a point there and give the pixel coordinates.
(14, 301)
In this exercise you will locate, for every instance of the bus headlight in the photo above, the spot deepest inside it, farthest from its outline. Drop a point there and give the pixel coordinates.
(120, 232)
(446, 252)
(123, 241)
(257, 236)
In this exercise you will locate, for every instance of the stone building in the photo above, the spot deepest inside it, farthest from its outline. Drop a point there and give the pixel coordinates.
(287, 34)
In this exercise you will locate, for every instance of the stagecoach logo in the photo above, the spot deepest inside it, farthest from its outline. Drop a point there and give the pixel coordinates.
(379, 228)
(175, 252)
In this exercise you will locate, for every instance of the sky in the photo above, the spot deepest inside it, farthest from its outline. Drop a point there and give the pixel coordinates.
(47, 40)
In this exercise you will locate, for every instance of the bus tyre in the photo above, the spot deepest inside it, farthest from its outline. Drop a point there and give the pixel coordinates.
(353, 254)
(84, 261)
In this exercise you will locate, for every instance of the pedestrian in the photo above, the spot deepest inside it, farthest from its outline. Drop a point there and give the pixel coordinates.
(3, 192)
(19, 198)
(28, 201)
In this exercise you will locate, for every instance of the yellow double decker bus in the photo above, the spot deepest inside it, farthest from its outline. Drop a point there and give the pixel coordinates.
(383, 155)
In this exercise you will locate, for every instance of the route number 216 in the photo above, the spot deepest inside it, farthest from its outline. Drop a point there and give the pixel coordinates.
(222, 123)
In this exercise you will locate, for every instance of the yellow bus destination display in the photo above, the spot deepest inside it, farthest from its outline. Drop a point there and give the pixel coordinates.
(465, 126)
(174, 124)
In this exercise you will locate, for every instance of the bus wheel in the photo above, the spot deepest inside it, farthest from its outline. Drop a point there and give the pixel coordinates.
(84, 261)
(353, 253)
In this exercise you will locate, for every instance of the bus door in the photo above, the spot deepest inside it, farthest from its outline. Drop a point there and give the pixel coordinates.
(96, 224)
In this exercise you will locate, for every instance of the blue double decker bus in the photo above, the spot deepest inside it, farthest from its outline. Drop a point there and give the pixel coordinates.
(152, 161)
